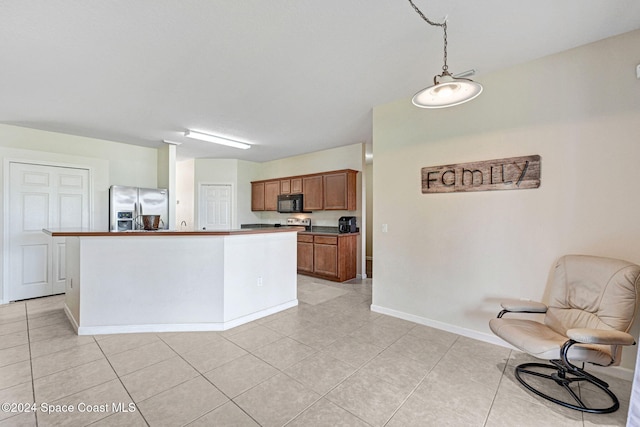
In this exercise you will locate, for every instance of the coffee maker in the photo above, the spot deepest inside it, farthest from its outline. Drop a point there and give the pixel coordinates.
(347, 224)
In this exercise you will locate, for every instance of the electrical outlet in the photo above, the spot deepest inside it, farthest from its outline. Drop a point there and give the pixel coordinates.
(385, 228)
(259, 281)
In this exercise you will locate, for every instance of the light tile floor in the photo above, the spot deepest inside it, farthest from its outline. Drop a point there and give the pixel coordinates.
(328, 362)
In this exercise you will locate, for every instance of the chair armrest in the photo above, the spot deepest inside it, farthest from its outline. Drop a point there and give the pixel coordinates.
(600, 336)
(523, 306)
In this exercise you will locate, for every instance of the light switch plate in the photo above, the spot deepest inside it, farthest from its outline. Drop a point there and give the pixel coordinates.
(638, 71)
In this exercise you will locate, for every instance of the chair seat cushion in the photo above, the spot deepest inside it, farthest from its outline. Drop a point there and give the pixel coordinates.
(542, 342)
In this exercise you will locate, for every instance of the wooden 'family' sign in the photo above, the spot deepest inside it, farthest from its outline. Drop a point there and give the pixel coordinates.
(515, 173)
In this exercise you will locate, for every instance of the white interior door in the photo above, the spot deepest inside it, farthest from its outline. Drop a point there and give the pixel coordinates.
(214, 207)
(42, 197)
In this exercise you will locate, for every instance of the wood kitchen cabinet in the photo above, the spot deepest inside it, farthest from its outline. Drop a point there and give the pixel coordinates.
(271, 192)
(285, 186)
(313, 194)
(257, 196)
(291, 186)
(326, 256)
(340, 190)
(335, 190)
(305, 253)
(296, 186)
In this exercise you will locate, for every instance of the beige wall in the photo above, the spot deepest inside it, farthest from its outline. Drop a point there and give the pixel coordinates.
(447, 259)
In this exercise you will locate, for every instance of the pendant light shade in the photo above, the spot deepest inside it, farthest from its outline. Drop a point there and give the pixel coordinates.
(447, 92)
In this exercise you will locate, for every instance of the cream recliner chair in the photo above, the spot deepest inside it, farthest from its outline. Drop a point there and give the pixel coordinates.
(593, 302)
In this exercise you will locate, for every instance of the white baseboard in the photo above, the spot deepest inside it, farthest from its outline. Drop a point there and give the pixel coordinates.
(182, 327)
(614, 371)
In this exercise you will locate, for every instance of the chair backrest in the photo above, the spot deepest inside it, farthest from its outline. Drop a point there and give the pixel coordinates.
(593, 292)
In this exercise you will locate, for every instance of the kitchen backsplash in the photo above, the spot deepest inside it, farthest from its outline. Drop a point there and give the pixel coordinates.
(320, 218)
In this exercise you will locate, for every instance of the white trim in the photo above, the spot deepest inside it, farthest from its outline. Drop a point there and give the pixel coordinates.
(614, 371)
(469, 333)
(5, 204)
(184, 327)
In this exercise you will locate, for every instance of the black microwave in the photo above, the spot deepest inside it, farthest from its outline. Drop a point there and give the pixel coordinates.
(290, 203)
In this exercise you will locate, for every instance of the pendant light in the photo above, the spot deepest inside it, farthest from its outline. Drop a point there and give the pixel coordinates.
(447, 90)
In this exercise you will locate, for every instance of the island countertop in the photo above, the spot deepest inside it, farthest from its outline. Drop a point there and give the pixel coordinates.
(86, 232)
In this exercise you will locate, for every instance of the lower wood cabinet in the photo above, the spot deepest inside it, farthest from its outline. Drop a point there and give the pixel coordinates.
(305, 253)
(329, 257)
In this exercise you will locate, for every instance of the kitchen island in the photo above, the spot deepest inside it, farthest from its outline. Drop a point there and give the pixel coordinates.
(163, 281)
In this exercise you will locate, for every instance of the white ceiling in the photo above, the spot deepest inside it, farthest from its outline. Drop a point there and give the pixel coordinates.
(289, 76)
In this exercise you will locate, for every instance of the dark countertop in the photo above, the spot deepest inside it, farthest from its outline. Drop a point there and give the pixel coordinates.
(315, 229)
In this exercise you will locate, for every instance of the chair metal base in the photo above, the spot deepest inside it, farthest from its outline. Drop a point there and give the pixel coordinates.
(564, 375)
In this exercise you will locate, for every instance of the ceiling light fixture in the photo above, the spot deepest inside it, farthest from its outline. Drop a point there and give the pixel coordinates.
(216, 139)
(448, 90)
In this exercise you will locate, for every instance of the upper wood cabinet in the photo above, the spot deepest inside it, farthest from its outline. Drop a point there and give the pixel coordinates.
(264, 195)
(296, 186)
(335, 190)
(340, 190)
(271, 192)
(312, 192)
(257, 196)
(285, 186)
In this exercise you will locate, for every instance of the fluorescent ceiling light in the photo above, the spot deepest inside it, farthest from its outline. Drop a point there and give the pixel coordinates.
(216, 139)
(166, 141)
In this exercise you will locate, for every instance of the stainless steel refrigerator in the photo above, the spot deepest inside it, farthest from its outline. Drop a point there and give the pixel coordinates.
(128, 204)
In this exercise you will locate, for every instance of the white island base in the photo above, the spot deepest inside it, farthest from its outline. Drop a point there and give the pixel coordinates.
(165, 282)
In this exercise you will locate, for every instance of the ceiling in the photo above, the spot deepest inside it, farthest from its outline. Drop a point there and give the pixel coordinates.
(288, 76)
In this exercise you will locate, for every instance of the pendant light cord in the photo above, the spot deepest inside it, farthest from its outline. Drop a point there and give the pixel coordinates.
(445, 67)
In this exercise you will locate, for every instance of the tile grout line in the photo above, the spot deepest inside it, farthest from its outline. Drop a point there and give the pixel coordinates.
(120, 381)
(358, 369)
(506, 365)
(280, 371)
(33, 385)
(207, 379)
(420, 382)
(31, 365)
